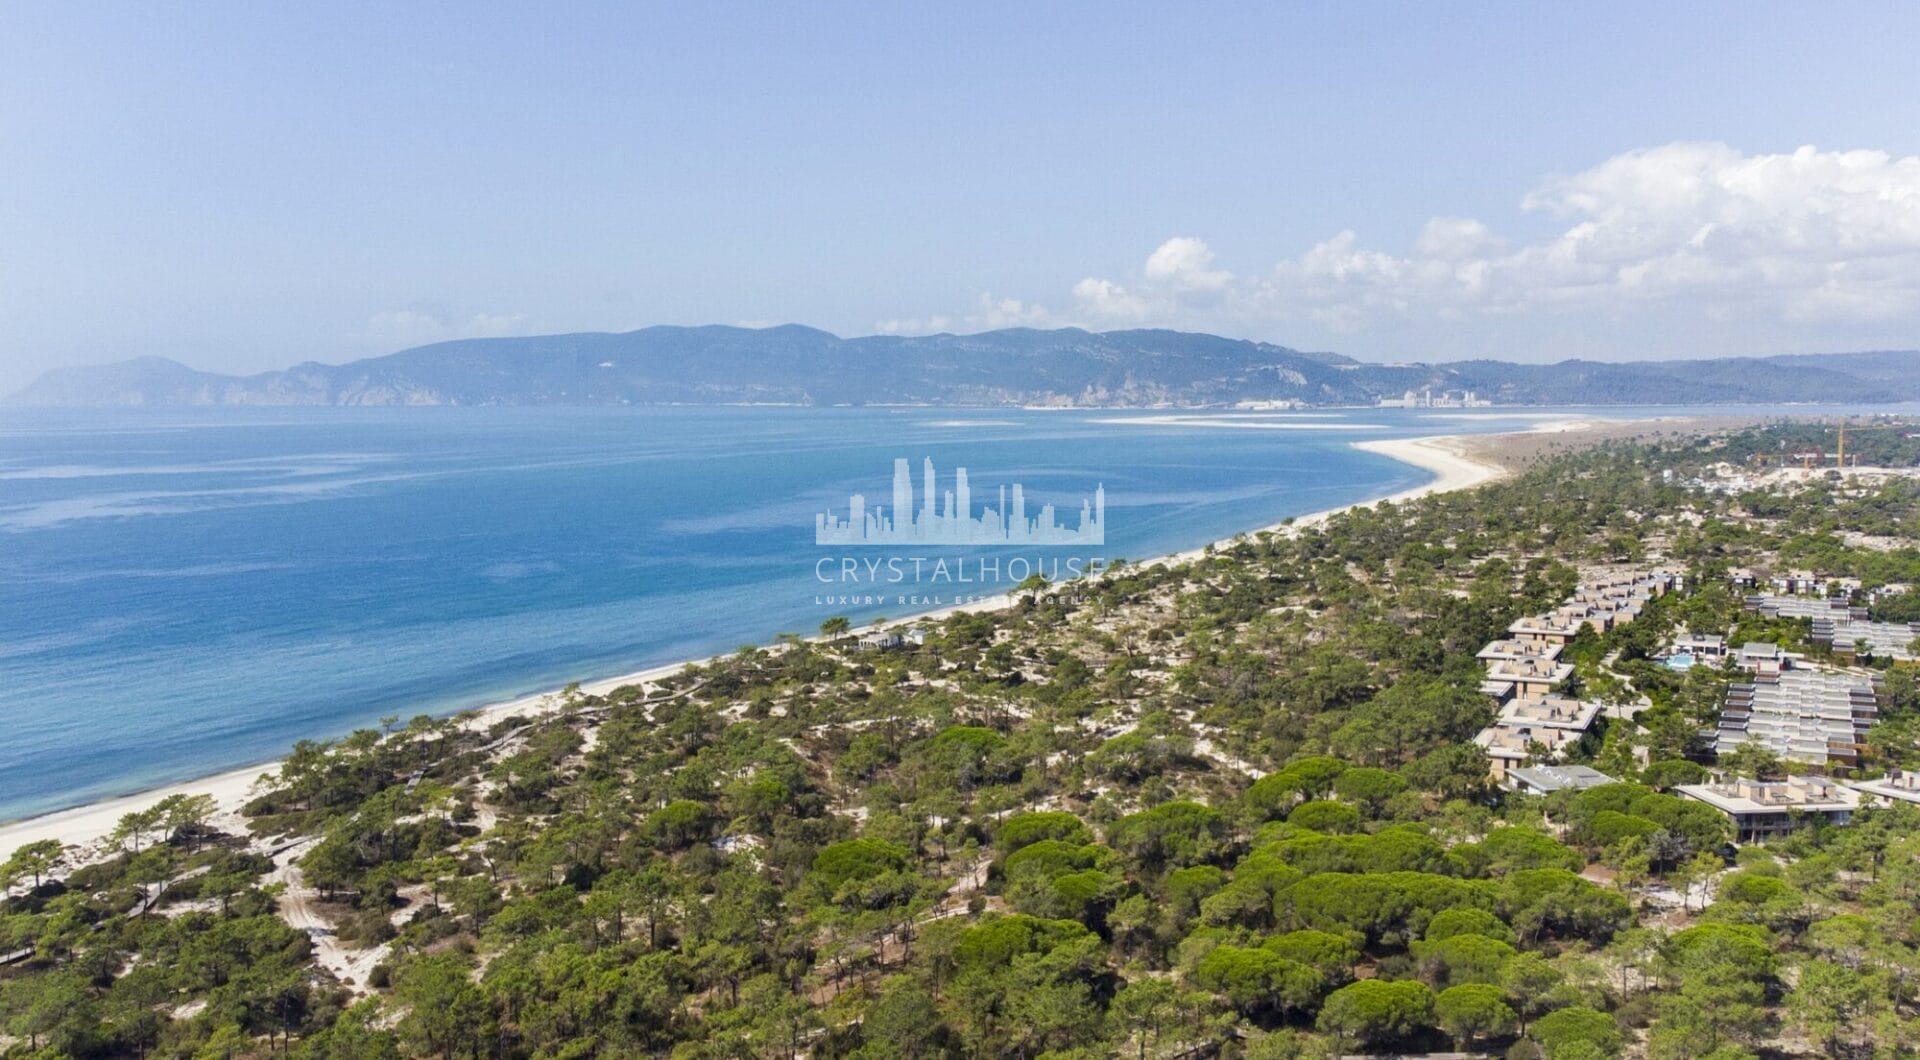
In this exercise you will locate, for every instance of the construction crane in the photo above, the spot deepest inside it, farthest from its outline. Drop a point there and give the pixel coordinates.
(1840, 449)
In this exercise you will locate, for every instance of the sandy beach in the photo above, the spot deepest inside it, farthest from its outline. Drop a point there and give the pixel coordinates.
(1458, 462)
(86, 825)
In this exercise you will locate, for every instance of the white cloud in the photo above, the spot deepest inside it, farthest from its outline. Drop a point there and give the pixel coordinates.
(1699, 230)
(1455, 239)
(988, 313)
(401, 328)
(1182, 262)
(1107, 300)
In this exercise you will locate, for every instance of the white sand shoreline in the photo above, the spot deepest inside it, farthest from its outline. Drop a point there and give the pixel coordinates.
(88, 824)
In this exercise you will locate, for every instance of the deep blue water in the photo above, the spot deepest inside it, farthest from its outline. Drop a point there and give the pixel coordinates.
(187, 592)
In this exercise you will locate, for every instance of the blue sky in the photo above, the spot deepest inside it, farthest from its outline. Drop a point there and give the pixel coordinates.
(245, 186)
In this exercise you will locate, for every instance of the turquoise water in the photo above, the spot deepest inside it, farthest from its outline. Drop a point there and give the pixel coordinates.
(187, 592)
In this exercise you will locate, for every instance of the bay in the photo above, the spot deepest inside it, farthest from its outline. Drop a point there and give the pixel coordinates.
(188, 591)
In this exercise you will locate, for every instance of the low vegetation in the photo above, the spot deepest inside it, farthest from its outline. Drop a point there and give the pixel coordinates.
(1230, 808)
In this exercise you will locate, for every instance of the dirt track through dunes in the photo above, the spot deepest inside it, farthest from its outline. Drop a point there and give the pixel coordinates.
(299, 907)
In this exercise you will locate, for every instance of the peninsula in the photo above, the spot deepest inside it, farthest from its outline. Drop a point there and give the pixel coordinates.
(1063, 368)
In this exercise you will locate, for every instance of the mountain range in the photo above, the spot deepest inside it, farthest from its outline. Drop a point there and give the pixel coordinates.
(1018, 366)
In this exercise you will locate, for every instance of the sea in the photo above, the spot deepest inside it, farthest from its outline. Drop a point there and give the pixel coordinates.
(184, 592)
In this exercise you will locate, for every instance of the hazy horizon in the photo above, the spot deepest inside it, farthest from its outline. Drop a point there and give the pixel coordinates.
(241, 189)
(242, 372)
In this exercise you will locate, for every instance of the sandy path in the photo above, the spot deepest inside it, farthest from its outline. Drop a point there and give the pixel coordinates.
(299, 908)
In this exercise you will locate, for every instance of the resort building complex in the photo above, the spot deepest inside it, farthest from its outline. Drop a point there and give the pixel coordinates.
(1817, 717)
(1536, 723)
(1843, 625)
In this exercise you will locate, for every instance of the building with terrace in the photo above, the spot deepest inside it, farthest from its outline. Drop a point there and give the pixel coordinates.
(1762, 809)
(1817, 717)
(1894, 787)
(1754, 652)
(1701, 645)
(1511, 650)
(1510, 747)
(1799, 582)
(1529, 677)
(1554, 628)
(1558, 712)
(1775, 606)
(1893, 640)
(1646, 584)
(1845, 627)
(1524, 667)
(1600, 618)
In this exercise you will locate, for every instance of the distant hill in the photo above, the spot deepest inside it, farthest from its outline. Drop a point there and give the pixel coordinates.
(1892, 375)
(1020, 366)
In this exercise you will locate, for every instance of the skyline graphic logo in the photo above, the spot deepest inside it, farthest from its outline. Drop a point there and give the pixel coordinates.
(946, 518)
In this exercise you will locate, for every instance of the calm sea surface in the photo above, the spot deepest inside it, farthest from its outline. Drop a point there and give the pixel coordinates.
(183, 592)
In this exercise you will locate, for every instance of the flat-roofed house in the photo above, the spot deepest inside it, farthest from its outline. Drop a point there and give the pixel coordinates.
(1701, 645)
(1554, 628)
(1620, 612)
(1546, 724)
(1517, 650)
(1552, 711)
(1800, 582)
(1645, 584)
(1762, 809)
(1510, 746)
(1601, 619)
(1755, 652)
(1894, 787)
(1545, 780)
(1530, 677)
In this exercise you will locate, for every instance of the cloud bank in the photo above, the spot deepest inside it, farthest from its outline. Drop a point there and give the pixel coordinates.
(1806, 239)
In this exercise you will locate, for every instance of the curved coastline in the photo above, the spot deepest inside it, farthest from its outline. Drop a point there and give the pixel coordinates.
(1445, 456)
